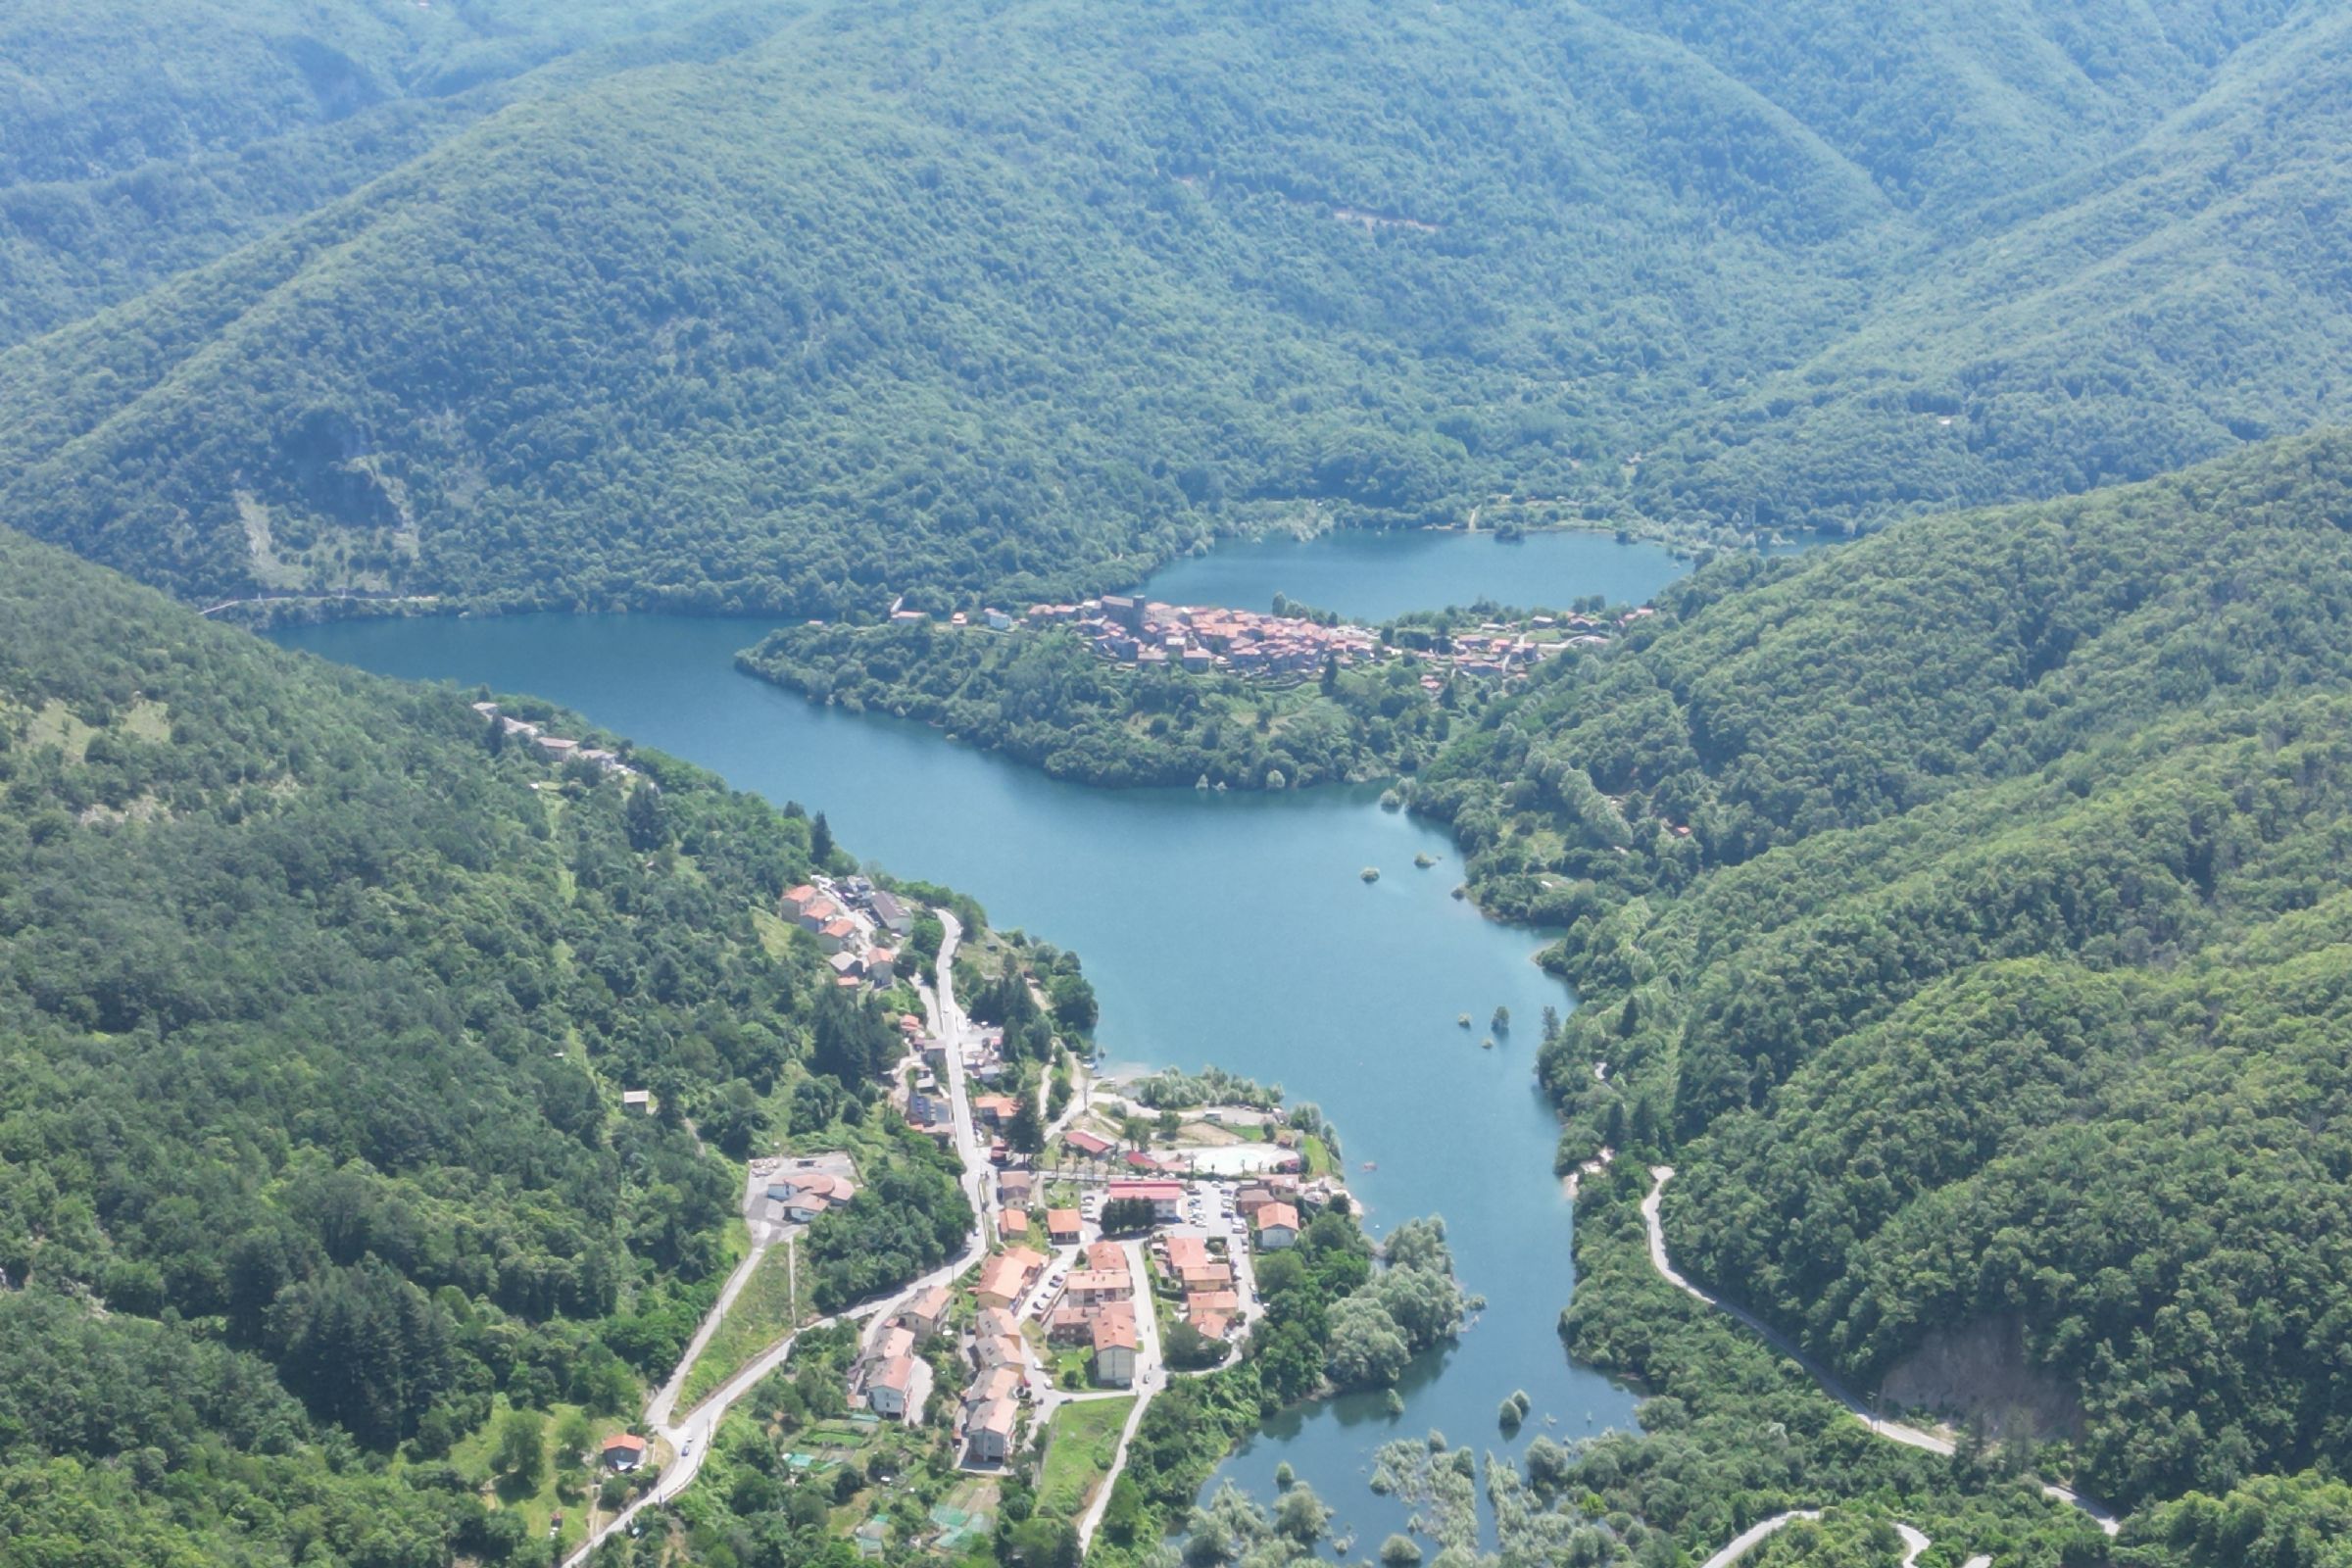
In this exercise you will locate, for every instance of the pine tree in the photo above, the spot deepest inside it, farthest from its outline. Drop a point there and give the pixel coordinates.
(643, 819)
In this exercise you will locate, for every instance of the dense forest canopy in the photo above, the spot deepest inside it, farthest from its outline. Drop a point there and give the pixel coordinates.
(145, 138)
(804, 307)
(1964, 914)
(319, 1015)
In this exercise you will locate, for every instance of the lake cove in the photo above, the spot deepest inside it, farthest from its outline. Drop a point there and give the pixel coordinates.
(1233, 929)
(1372, 576)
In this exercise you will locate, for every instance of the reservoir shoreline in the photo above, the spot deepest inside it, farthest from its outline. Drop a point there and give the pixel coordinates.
(1229, 928)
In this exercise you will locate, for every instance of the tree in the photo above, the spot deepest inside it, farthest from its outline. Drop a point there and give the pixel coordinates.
(1074, 1006)
(1187, 1349)
(821, 840)
(1127, 1217)
(1302, 1516)
(1424, 1305)
(1367, 1350)
(1038, 1542)
(1419, 1243)
(647, 826)
(574, 1437)
(1548, 1465)
(1399, 1551)
(1027, 1131)
(1125, 1515)
(519, 1453)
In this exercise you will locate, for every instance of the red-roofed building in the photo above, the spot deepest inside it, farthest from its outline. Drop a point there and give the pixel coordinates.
(1184, 1253)
(1085, 1142)
(1224, 1304)
(886, 1390)
(988, 1439)
(1007, 1277)
(1277, 1227)
(1089, 1287)
(1165, 1197)
(1114, 1340)
(1208, 1277)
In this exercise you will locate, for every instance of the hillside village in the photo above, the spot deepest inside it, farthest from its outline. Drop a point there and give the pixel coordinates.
(858, 925)
(1104, 1264)
(1284, 648)
(553, 748)
(1103, 1251)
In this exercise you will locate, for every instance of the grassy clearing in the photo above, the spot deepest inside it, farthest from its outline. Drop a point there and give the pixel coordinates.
(766, 1311)
(1079, 1448)
(567, 1489)
(55, 724)
(775, 936)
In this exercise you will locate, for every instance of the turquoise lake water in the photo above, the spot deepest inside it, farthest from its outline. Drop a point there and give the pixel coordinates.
(1231, 929)
(1371, 577)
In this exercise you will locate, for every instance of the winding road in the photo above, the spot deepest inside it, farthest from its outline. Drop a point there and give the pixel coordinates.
(1892, 1431)
(1915, 1541)
(1756, 1534)
(690, 1436)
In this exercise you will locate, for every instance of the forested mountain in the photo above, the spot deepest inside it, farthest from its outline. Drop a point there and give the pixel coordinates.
(142, 137)
(832, 302)
(1964, 913)
(2148, 310)
(319, 1013)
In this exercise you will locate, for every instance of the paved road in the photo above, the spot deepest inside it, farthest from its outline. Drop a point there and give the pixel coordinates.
(1151, 1375)
(1915, 1541)
(1754, 1534)
(955, 1031)
(664, 1403)
(1893, 1431)
(689, 1436)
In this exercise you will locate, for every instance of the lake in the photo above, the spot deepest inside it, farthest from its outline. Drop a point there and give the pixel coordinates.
(1232, 929)
(1373, 577)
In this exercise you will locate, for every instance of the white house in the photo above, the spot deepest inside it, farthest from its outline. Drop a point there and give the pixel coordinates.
(886, 1390)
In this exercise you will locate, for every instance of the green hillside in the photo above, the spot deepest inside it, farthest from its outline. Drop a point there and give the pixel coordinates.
(2179, 296)
(142, 137)
(1024, 298)
(1992, 1003)
(311, 1133)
